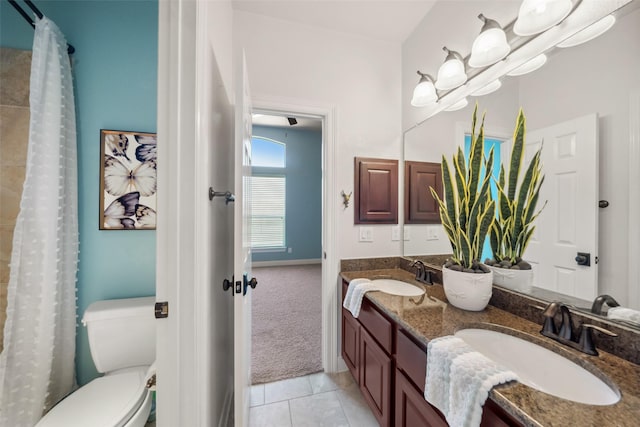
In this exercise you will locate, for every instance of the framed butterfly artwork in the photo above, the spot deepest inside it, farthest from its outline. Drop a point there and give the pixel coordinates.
(128, 180)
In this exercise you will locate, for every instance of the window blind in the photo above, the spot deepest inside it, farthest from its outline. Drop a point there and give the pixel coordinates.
(268, 212)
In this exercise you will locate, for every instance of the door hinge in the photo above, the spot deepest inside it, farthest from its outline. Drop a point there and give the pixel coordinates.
(162, 310)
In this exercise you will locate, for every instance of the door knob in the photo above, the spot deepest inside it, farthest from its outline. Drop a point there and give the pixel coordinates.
(227, 284)
(583, 259)
(253, 283)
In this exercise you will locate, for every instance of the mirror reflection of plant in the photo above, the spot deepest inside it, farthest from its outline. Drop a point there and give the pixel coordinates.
(467, 211)
(512, 230)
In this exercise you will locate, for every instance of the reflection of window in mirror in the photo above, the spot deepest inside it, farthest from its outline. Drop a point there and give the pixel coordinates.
(489, 143)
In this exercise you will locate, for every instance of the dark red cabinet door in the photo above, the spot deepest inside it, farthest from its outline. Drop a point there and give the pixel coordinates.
(375, 378)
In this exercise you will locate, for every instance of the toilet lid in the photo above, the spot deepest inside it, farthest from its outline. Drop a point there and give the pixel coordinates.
(108, 401)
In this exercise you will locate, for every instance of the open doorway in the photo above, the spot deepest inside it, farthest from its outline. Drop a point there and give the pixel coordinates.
(286, 224)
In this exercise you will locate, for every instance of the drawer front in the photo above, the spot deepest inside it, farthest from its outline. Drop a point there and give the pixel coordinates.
(377, 325)
(411, 359)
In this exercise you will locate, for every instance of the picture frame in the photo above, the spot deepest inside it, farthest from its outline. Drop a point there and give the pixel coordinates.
(128, 180)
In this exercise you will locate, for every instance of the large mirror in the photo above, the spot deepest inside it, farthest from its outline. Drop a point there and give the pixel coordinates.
(598, 81)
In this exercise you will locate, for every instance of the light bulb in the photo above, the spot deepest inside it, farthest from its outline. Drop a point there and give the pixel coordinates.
(425, 92)
(490, 46)
(536, 16)
(451, 73)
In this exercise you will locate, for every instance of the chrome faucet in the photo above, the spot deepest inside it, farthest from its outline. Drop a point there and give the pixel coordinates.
(566, 334)
(423, 275)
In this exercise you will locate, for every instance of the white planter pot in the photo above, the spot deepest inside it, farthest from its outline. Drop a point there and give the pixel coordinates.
(468, 291)
(518, 280)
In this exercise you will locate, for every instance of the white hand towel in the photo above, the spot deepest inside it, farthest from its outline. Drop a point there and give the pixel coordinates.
(472, 377)
(459, 379)
(623, 313)
(354, 301)
(440, 354)
(352, 287)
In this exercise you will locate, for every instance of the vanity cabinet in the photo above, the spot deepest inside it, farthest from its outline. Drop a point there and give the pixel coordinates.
(390, 368)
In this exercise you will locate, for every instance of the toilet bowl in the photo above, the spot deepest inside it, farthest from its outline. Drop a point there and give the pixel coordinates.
(122, 342)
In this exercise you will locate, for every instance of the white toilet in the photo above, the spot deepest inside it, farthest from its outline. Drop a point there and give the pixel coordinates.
(122, 338)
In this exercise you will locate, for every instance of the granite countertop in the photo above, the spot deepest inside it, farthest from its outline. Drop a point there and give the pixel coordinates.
(432, 317)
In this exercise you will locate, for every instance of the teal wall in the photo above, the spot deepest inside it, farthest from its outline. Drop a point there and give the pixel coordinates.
(115, 76)
(303, 192)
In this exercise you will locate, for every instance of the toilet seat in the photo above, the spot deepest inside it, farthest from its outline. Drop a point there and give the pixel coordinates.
(109, 401)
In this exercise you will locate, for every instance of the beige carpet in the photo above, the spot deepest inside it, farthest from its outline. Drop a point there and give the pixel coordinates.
(287, 322)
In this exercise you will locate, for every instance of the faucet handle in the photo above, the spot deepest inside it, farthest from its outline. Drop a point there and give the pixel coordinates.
(586, 342)
(566, 325)
(599, 329)
(549, 328)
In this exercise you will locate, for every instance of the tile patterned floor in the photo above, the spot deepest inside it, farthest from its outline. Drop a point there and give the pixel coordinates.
(331, 400)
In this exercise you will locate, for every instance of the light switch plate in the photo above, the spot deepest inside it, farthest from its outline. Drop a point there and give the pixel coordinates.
(366, 234)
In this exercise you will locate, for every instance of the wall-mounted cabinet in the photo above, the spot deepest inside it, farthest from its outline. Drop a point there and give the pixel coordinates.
(419, 205)
(376, 191)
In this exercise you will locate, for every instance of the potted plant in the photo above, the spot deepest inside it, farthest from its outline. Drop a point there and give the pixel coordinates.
(467, 212)
(517, 198)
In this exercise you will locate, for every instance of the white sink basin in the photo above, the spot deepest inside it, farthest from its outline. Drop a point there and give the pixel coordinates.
(396, 287)
(540, 368)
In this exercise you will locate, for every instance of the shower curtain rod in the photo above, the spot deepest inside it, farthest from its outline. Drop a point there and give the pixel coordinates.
(25, 15)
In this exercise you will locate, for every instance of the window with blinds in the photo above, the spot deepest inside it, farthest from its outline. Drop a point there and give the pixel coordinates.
(268, 211)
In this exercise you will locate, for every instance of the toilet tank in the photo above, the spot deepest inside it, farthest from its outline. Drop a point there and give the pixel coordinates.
(122, 333)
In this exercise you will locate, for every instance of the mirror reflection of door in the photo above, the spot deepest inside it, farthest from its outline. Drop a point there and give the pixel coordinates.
(569, 223)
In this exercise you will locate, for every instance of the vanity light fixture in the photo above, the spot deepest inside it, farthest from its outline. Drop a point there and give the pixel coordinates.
(458, 105)
(490, 46)
(529, 66)
(536, 16)
(451, 73)
(425, 92)
(490, 88)
(591, 32)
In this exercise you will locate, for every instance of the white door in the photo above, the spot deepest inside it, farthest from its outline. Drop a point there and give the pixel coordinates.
(242, 252)
(568, 224)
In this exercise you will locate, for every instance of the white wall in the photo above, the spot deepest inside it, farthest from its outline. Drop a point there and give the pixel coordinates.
(359, 77)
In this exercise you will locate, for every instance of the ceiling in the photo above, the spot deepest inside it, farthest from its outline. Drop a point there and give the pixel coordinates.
(387, 20)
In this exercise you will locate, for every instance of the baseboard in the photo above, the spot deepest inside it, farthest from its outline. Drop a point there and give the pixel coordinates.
(286, 262)
(226, 417)
(341, 365)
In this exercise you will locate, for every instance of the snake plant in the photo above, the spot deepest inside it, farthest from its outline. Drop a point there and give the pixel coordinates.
(511, 232)
(467, 210)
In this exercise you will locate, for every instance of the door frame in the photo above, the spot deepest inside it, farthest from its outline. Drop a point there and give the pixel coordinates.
(179, 337)
(634, 200)
(329, 258)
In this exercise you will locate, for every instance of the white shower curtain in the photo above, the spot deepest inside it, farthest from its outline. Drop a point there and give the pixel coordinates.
(37, 364)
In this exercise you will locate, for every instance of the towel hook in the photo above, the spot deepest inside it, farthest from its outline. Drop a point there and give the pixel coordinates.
(228, 196)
